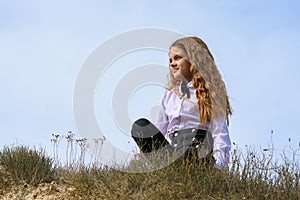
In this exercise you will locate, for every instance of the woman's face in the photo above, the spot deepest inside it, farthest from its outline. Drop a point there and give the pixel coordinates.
(179, 65)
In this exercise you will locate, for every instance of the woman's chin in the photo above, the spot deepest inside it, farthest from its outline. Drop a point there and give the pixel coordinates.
(179, 77)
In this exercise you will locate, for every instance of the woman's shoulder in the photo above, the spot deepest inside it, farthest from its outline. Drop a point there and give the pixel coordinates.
(168, 94)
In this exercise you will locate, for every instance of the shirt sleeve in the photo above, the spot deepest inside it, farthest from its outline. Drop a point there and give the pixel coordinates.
(162, 119)
(222, 143)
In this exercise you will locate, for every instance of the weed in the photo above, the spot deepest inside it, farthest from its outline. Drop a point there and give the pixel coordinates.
(29, 165)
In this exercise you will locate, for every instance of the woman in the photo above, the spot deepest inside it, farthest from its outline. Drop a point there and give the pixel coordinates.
(194, 106)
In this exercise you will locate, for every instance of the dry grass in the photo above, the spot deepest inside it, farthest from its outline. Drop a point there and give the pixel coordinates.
(252, 175)
(25, 164)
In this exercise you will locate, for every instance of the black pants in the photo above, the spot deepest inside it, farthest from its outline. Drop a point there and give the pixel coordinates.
(186, 143)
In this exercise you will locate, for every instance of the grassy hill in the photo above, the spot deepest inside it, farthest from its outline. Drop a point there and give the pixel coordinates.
(30, 174)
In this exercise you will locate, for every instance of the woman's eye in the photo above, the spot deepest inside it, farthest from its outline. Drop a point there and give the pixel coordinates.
(177, 57)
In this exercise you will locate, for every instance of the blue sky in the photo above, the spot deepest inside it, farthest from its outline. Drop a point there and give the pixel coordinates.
(44, 44)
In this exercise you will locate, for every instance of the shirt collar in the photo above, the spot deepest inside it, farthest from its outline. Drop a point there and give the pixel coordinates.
(190, 84)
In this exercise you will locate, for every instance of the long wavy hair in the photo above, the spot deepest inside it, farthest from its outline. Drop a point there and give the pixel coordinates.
(211, 92)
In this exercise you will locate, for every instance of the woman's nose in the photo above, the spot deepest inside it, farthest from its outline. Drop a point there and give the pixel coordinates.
(172, 64)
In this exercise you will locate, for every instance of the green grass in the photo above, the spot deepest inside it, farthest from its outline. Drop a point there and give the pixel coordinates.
(252, 175)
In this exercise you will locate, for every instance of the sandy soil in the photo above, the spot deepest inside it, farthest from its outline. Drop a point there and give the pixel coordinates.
(45, 191)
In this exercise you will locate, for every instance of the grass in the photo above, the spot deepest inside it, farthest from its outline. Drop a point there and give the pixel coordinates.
(29, 165)
(252, 175)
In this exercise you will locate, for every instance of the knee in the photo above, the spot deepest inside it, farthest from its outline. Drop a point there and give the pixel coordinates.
(142, 122)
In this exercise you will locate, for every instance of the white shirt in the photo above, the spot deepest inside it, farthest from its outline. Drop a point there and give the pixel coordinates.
(180, 113)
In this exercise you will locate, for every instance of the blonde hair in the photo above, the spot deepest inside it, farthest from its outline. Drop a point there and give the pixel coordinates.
(211, 92)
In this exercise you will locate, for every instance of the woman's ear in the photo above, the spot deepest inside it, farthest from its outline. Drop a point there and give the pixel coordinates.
(193, 70)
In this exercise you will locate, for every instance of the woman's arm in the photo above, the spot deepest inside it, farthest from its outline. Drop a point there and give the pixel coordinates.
(222, 143)
(162, 120)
